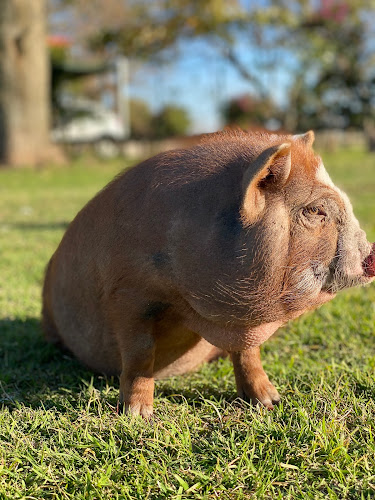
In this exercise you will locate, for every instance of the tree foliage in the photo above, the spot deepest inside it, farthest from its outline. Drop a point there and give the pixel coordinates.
(329, 43)
(140, 119)
(334, 84)
(249, 111)
(167, 122)
(171, 121)
(140, 28)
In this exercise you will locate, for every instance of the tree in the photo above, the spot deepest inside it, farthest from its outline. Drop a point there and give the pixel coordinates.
(248, 111)
(140, 119)
(140, 28)
(335, 83)
(24, 84)
(171, 121)
(328, 42)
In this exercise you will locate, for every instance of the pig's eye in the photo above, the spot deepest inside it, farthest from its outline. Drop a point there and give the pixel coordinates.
(317, 211)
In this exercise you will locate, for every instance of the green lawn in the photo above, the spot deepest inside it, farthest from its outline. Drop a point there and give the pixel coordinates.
(60, 436)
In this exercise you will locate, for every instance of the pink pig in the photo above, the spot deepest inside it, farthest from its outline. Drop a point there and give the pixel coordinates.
(199, 251)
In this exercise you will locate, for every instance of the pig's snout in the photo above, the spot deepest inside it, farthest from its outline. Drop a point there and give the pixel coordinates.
(369, 263)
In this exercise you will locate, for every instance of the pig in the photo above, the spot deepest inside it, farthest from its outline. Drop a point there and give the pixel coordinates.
(198, 252)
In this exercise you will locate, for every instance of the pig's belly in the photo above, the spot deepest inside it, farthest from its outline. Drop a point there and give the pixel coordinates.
(232, 339)
(178, 349)
(190, 359)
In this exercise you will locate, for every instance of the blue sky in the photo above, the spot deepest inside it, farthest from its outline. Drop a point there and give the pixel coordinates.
(200, 80)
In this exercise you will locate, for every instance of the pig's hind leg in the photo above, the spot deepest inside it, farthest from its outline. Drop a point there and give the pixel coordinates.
(137, 350)
(252, 381)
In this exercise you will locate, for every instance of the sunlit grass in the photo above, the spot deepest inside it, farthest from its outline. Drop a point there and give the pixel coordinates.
(60, 436)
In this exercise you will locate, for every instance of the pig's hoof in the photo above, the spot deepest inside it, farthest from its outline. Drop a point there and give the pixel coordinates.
(263, 392)
(135, 409)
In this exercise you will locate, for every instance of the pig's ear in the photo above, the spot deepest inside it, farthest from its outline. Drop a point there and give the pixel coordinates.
(307, 139)
(269, 171)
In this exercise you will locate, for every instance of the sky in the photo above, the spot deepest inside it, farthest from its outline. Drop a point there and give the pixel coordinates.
(201, 80)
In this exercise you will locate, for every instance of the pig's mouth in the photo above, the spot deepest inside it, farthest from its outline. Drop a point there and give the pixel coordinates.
(337, 280)
(369, 264)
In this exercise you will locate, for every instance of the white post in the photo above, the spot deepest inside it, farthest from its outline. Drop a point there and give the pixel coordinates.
(122, 93)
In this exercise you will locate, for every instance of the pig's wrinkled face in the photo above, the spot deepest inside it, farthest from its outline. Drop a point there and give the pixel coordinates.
(307, 242)
(327, 250)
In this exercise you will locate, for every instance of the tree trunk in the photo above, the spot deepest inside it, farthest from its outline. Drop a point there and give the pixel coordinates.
(24, 84)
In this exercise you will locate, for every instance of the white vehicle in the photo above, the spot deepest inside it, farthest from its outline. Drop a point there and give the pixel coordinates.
(89, 122)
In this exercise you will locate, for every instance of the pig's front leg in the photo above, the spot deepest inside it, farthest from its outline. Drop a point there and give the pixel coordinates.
(137, 378)
(252, 381)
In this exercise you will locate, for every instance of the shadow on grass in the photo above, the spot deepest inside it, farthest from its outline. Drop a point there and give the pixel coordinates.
(33, 372)
(39, 375)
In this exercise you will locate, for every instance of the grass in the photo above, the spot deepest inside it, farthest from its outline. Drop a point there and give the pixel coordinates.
(61, 439)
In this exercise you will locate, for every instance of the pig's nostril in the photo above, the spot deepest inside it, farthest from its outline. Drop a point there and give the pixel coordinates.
(369, 263)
